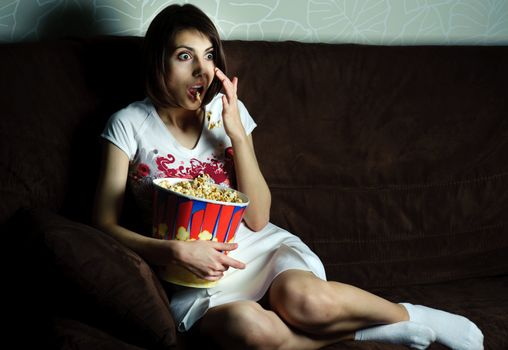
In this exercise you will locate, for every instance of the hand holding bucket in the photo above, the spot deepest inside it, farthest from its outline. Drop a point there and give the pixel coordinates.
(188, 218)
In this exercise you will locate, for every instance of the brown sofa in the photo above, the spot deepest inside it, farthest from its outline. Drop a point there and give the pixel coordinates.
(390, 162)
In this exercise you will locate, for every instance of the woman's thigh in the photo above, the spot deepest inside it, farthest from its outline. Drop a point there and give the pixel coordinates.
(303, 300)
(247, 325)
(321, 307)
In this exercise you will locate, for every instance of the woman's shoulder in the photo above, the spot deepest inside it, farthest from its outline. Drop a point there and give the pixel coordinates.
(134, 113)
(142, 107)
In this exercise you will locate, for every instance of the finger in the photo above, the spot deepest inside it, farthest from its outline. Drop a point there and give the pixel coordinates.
(209, 273)
(213, 278)
(220, 74)
(235, 83)
(228, 86)
(219, 268)
(233, 263)
(225, 246)
(225, 102)
(223, 268)
(215, 272)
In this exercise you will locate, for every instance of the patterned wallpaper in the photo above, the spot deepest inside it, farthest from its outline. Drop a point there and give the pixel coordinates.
(387, 22)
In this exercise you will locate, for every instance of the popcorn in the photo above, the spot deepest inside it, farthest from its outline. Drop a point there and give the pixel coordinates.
(204, 212)
(212, 124)
(203, 187)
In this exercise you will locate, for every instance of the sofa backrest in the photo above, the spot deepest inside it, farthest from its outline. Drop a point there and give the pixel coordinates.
(390, 162)
(55, 99)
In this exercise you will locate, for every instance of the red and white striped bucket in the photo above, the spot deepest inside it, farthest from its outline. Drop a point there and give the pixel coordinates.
(188, 218)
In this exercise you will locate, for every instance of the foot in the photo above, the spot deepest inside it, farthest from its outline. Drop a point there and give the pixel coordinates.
(454, 331)
(414, 335)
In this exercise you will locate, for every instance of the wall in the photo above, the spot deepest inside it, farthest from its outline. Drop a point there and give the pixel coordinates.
(387, 22)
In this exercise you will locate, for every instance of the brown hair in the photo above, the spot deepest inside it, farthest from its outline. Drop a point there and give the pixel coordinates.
(159, 45)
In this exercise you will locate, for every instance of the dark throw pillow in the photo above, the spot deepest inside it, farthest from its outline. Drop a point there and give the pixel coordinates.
(82, 273)
(74, 335)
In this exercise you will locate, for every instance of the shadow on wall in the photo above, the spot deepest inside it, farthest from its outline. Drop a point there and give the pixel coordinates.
(71, 20)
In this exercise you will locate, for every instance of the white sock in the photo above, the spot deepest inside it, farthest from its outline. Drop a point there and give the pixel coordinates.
(454, 331)
(406, 333)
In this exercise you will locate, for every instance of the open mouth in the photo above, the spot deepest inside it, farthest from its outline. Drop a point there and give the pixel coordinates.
(196, 91)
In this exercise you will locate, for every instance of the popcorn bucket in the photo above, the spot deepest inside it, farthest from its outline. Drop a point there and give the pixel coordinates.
(188, 218)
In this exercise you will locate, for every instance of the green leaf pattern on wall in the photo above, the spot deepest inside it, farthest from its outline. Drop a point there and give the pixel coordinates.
(386, 22)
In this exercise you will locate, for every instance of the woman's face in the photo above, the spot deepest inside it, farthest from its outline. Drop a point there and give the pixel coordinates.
(192, 68)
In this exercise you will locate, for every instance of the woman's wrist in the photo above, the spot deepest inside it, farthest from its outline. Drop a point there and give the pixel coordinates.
(158, 251)
(177, 254)
(239, 138)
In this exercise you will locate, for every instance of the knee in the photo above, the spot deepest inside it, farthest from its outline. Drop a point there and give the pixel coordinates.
(250, 327)
(306, 303)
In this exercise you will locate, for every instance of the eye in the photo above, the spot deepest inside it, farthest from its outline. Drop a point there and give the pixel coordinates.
(184, 56)
(209, 56)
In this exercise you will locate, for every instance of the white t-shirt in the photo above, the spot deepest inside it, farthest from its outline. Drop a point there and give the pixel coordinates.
(154, 153)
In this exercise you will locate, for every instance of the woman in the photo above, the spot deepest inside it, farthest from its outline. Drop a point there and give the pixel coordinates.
(273, 292)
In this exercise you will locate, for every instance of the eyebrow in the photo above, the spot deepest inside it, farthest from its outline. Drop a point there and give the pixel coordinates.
(190, 48)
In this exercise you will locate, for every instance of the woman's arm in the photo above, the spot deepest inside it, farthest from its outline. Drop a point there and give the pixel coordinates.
(203, 258)
(248, 175)
(251, 182)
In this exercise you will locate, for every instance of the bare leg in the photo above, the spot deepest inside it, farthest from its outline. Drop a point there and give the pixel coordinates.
(309, 313)
(326, 308)
(247, 325)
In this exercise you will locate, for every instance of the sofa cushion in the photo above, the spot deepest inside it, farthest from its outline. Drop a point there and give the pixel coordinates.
(75, 335)
(85, 274)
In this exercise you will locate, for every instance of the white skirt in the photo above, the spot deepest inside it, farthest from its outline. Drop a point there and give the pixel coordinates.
(266, 254)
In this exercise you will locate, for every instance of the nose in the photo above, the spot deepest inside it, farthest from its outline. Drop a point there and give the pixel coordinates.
(198, 67)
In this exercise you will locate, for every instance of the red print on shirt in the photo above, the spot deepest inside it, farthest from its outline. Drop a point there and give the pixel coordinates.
(221, 171)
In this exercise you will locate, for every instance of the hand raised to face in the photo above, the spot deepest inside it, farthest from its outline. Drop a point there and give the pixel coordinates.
(230, 112)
